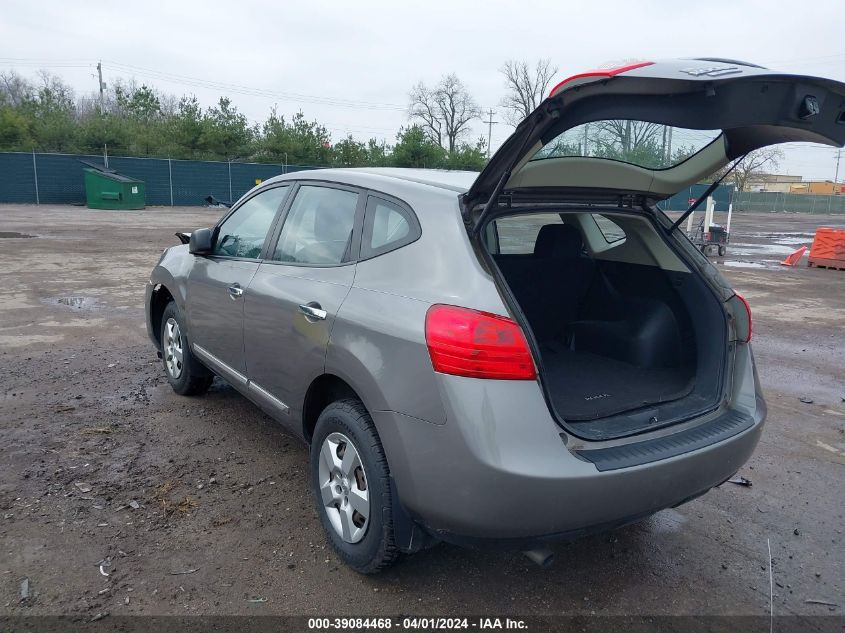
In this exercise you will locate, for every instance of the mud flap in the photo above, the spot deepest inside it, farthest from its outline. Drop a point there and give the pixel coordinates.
(409, 536)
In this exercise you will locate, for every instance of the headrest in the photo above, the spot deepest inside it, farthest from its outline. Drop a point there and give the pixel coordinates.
(560, 241)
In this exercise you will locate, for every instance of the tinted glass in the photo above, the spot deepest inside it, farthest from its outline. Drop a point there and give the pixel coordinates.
(641, 143)
(387, 225)
(517, 234)
(243, 233)
(318, 227)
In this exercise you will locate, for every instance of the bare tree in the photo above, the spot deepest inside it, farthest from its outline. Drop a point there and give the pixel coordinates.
(444, 111)
(526, 87)
(14, 89)
(755, 162)
(626, 135)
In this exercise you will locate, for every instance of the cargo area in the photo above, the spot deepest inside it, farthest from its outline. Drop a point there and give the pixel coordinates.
(629, 338)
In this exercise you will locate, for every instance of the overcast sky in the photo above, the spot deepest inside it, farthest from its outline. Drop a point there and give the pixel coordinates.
(350, 65)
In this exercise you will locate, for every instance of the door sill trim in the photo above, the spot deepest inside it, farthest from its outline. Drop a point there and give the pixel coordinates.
(239, 380)
(268, 397)
(227, 372)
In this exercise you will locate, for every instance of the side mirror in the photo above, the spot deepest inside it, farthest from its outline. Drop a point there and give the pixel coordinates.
(201, 242)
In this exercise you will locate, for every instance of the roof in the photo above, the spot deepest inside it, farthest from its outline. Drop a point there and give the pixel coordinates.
(457, 181)
(777, 178)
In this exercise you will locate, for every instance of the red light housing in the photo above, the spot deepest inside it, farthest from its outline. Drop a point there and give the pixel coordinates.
(602, 72)
(741, 312)
(465, 342)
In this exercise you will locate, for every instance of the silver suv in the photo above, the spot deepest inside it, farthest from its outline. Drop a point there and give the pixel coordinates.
(521, 355)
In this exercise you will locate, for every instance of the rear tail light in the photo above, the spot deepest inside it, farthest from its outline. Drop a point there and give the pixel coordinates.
(741, 312)
(465, 342)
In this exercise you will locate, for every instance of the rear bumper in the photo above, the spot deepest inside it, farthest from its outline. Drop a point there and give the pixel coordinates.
(501, 470)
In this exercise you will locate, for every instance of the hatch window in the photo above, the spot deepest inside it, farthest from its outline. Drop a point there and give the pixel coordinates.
(641, 143)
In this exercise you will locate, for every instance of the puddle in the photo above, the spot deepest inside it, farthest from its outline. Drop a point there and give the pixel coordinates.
(14, 234)
(793, 241)
(786, 235)
(761, 249)
(738, 264)
(73, 301)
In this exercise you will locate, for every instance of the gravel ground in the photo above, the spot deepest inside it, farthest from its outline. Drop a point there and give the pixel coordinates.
(202, 506)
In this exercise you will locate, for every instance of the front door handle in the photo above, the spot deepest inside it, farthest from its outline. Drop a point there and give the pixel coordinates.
(313, 311)
(235, 291)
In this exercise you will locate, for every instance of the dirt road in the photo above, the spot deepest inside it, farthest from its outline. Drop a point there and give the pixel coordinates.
(202, 506)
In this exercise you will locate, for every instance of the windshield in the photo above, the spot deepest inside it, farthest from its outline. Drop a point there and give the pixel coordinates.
(641, 143)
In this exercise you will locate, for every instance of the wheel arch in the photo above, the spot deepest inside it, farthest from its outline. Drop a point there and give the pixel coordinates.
(322, 391)
(159, 298)
(327, 388)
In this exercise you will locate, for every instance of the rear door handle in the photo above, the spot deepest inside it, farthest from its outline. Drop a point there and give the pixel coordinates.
(313, 311)
(235, 291)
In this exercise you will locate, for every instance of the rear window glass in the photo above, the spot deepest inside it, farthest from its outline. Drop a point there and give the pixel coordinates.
(387, 226)
(641, 143)
(518, 234)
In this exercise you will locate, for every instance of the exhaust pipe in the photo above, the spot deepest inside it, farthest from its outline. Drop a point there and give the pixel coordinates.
(542, 557)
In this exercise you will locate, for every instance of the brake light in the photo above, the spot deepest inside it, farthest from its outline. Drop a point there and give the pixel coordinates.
(601, 72)
(465, 342)
(742, 317)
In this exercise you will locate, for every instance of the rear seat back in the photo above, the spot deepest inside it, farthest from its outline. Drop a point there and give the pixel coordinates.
(551, 283)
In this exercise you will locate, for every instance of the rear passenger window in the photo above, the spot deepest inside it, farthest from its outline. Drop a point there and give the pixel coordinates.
(318, 227)
(518, 234)
(387, 226)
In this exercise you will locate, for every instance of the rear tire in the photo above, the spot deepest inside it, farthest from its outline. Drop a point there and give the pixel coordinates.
(363, 540)
(184, 372)
(722, 250)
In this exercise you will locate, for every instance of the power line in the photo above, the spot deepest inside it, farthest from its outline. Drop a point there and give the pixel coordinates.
(197, 82)
(259, 92)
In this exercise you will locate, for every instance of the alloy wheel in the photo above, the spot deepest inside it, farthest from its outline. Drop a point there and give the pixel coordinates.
(173, 348)
(343, 487)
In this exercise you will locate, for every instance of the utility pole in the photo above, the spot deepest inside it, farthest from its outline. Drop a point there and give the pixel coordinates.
(669, 146)
(838, 156)
(586, 129)
(490, 123)
(101, 85)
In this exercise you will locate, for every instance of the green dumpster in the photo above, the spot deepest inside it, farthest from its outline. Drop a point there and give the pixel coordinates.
(110, 190)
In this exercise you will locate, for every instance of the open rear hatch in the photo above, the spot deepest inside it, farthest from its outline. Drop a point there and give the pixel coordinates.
(745, 107)
(631, 331)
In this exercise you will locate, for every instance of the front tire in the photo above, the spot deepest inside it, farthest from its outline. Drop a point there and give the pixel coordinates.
(185, 373)
(351, 483)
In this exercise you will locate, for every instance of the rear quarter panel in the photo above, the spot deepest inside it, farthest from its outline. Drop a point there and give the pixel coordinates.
(378, 341)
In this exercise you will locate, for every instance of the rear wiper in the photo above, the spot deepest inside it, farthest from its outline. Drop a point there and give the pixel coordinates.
(706, 193)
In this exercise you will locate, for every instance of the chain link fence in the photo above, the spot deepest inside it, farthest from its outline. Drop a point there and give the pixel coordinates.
(773, 202)
(58, 178)
(41, 178)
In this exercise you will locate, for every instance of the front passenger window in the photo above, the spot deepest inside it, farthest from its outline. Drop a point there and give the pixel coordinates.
(242, 234)
(318, 227)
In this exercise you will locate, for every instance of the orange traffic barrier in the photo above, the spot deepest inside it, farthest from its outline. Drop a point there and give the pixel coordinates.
(828, 250)
(795, 257)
